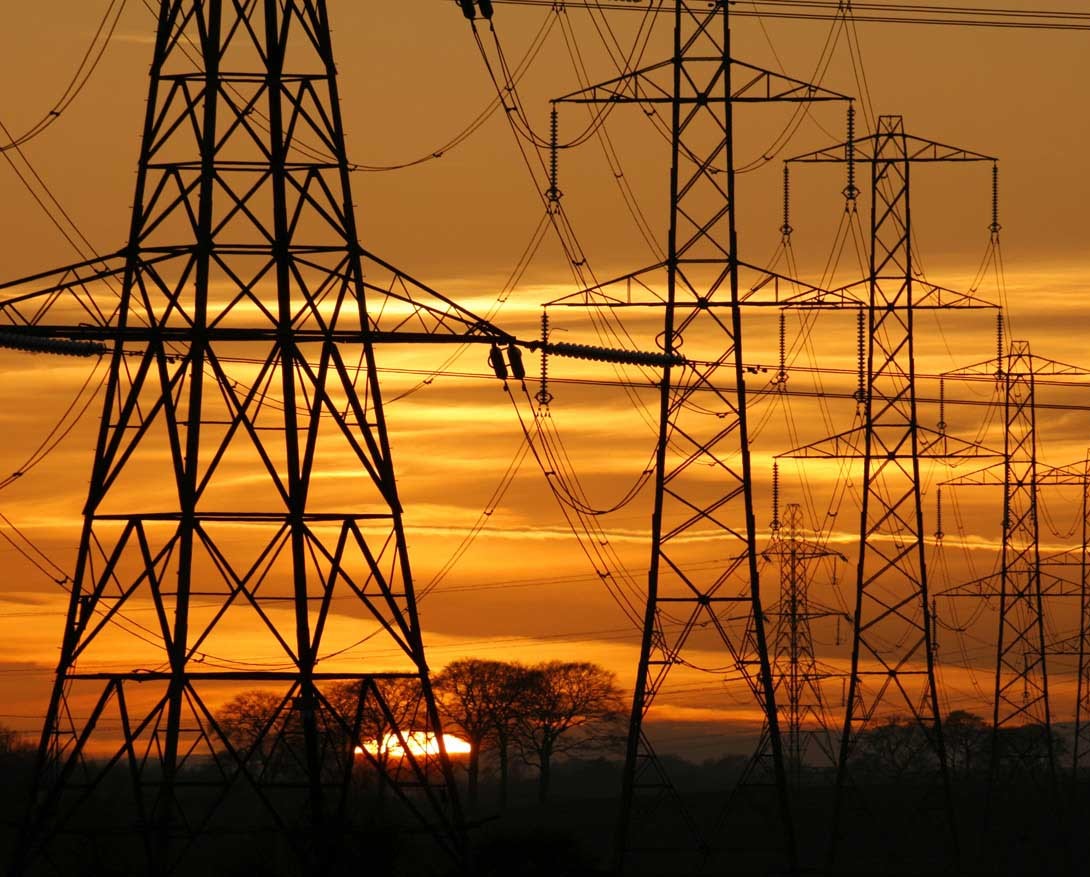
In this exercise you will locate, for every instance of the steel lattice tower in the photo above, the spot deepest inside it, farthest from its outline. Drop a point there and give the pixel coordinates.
(1021, 697)
(1060, 584)
(1080, 749)
(892, 661)
(795, 672)
(242, 526)
(703, 475)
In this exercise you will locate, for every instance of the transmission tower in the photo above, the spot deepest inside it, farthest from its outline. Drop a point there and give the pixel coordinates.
(1054, 584)
(242, 526)
(1022, 740)
(1080, 748)
(703, 476)
(1021, 680)
(892, 662)
(796, 675)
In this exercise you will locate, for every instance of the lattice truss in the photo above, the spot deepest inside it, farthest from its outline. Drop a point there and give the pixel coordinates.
(1022, 715)
(242, 526)
(703, 481)
(892, 662)
(796, 673)
(892, 623)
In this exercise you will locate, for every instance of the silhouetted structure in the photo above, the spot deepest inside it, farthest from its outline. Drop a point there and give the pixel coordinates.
(690, 604)
(892, 664)
(242, 492)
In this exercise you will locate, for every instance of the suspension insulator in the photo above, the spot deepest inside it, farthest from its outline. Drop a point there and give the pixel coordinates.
(995, 226)
(553, 193)
(544, 397)
(942, 411)
(514, 356)
(861, 332)
(850, 191)
(612, 354)
(468, 9)
(999, 345)
(496, 360)
(786, 228)
(781, 375)
(938, 517)
(486, 8)
(59, 346)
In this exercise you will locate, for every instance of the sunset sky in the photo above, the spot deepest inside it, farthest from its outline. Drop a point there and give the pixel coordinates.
(411, 79)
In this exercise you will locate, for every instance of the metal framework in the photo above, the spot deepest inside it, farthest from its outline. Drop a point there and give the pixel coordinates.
(1080, 747)
(703, 475)
(1021, 713)
(242, 526)
(892, 660)
(796, 675)
(1057, 581)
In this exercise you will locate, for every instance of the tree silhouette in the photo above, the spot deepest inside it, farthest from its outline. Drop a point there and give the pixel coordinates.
(967, 738)
(253, 722)
(482, 700)
(566, 707)
(893, 749)
(13, 743)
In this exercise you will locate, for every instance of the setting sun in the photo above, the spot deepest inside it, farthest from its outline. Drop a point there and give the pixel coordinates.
(419, 743)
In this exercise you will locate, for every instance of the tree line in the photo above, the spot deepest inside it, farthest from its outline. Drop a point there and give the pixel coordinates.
(505, 710)
(898, 747)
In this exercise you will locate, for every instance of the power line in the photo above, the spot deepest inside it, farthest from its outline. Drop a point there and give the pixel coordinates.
(893, 13)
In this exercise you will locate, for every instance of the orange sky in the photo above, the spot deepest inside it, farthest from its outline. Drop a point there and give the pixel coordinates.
(410, 79)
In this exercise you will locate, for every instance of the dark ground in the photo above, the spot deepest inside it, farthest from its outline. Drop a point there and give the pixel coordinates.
(894, 829)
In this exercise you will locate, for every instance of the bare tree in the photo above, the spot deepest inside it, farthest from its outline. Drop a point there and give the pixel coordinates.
(374, 712)
(481, 699)
(252, 721)
(967, 738)
(14, 743)
(566, 707)
(893, 749)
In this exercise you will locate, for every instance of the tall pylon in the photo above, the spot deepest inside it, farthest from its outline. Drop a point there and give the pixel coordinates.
(242, 527)
(703, 476)
(892, 660)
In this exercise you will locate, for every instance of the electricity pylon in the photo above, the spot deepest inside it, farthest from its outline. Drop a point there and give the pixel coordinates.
(796, 674)
(703, 479)
(892, 661)
(1057, 581)
(1079, 645)
(1021, 699)
(242, 526)
(1055, 584)
(795, 669)
(1022, 740)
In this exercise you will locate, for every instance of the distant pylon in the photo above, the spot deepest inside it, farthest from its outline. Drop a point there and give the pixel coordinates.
(892, 660)
(242, 527)
(1020, 694)
(796, 674)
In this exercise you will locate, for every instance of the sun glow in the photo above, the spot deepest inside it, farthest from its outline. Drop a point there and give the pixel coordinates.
(416, 743)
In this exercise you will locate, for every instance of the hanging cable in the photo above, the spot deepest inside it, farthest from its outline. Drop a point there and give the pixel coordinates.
(100, 40)
(775, 525)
